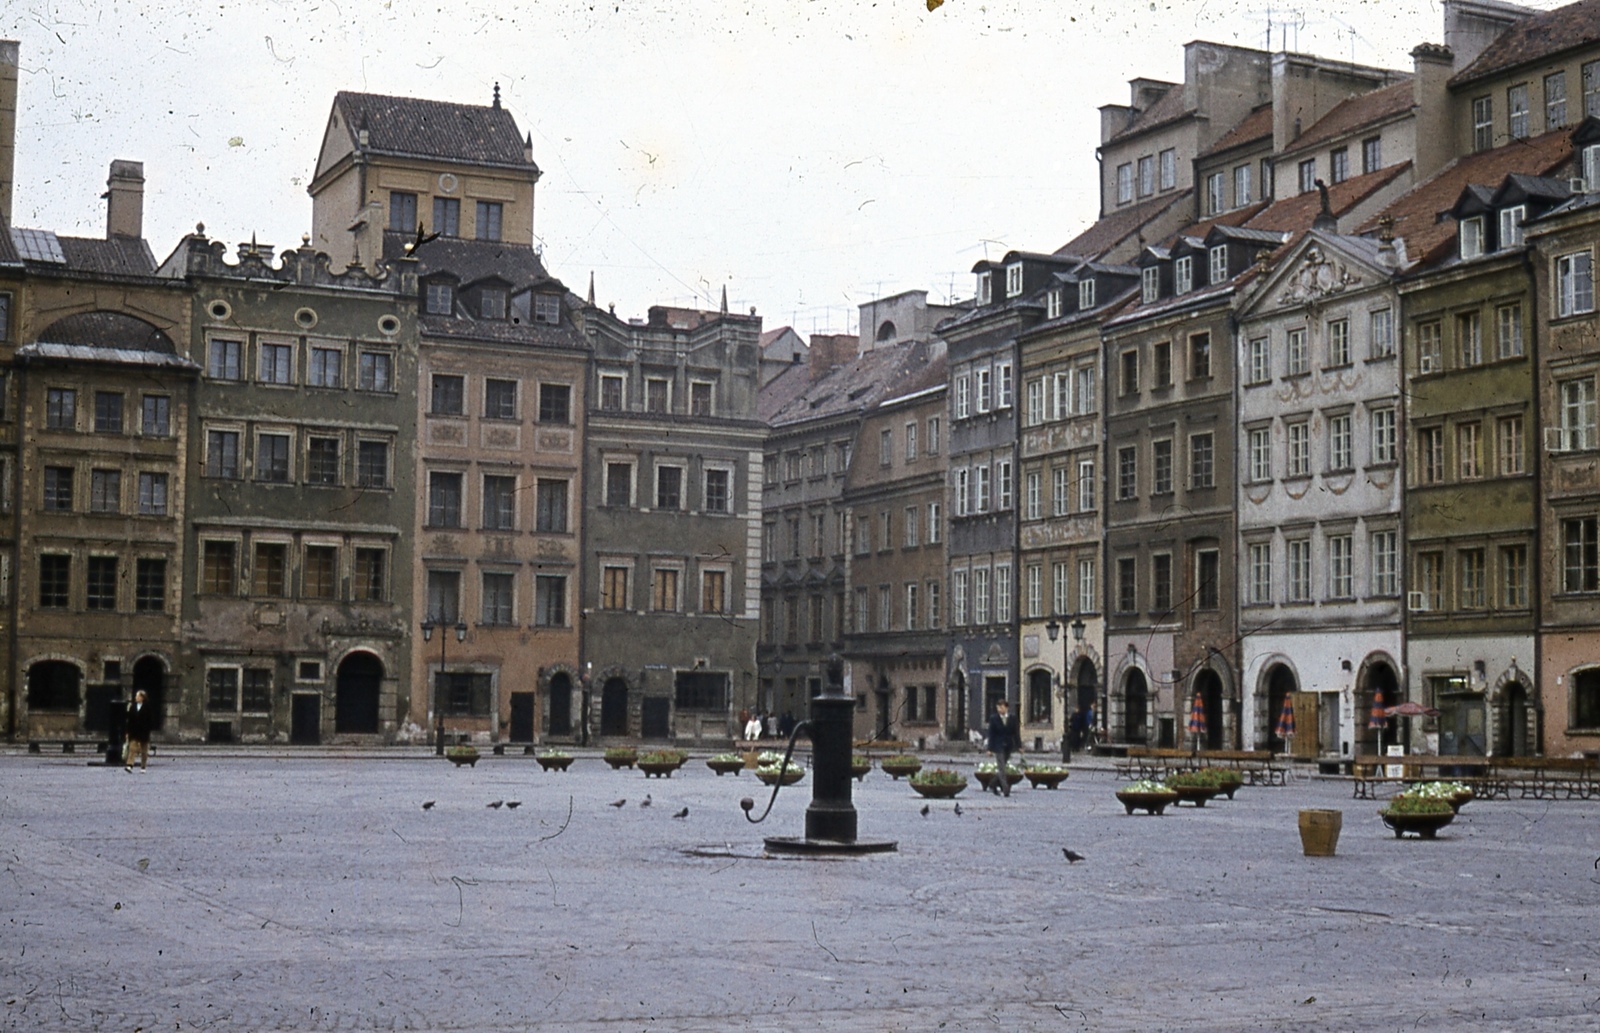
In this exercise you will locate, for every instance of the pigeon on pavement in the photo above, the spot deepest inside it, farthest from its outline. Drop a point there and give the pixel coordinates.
(513, 804)
(1072, 856)
(494, 803)
(925, 810)
(427, 805)
(646, 801)
(682, 814)
(958, 809)
(616, 803)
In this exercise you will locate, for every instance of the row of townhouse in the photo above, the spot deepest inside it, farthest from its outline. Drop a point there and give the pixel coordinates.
(395, 484)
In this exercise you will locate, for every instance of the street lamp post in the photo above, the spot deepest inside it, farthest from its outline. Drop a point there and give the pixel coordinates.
(438, 703)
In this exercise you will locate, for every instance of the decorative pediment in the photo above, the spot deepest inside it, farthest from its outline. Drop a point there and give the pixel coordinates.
(1318, 276)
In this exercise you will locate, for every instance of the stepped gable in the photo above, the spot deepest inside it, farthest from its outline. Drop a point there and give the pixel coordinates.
(1531, 39)
(409, 127)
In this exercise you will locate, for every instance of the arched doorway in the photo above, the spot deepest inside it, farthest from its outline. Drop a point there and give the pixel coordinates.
(1209, 688)
(560, 703)
(150, 677)
(1280, 682)
(356, 691)
(1514, 712)
(1039, 696)
(1136, 712)
(614, 707)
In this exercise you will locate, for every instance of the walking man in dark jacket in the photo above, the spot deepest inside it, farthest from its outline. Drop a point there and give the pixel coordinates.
(1004, 737)
(140, 720)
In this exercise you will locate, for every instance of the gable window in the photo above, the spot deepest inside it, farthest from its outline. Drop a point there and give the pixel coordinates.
(327, 367)
(1085, 294)
(499, 399)
(1147, 176)
(1517, 111)
(1124, 182)
(1471, 237)
(222, 359)
(1219, 263)
(438, 299)
(1555, 100)
(1149, 284)
(447, 216)
(555, 403)
(488, 222)
(1338, 165)
(1241, 186)
(1013, 279)
(1372, 154)
(1511, 226)
(1308, 175)
(491, 303)
(377, 371)
(402, 211)
(1183, 275)
(1216, 199)
(1575, 283)
(547, 309)
(1482, 123)
(1168, 172)
(985, 288)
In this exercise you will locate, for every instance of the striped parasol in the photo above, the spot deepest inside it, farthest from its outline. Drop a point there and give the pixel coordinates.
(1197, 715)
(1286, 718)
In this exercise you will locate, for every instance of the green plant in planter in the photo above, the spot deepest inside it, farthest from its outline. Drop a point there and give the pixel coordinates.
(622, 753)
(778, 765)
(1203, 778)
(663, 757)
(768, 758)
(1146, 785)
(726, 758)
(902, 759)
(939, 777)
(1438, 790)
(988, 768)
(556, 755)
(1408, 803)
(1046, 769)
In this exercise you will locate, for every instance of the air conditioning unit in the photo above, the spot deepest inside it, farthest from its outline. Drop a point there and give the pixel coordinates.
(1555, 439)
(1417, 602)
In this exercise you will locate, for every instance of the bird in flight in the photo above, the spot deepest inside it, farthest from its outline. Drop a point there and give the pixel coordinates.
(494, 803)
(1072, 856)
(427, 805)
(616, 803)
(682, 814)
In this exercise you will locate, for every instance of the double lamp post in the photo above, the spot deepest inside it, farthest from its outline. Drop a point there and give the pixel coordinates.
(1053, 629)
(438, 678)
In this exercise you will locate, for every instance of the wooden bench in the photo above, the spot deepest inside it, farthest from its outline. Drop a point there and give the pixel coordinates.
(1548, 778)
(67, 745)
(1259, 767)
(1369, 773)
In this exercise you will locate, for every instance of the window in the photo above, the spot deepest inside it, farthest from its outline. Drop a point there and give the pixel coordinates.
(885, 447)
(1430, 347)
(619, 484)
(449, 395)
(1208, 591)
(986, 284)
(1004, 387)
(217, 568)
(402, 212)
(1162, 374)
(1508, 331)
(488, 222)
(156, 418)
(439, 299)
(1517, 111)
(1341, 579)
(1161, 467)
(1469, 579)
(152, 494)
(962, 401)
(657, 396)
(935, 524)
(1033, 495)
(1470, 237)
(372, 464)
(1260, 446)
(444, 499)
(1308, 175)
(1580, 555)
(150, 585)
(1241, 186)
(447, 216)
(1060, 491)
(1085, 295)
(1261, 574)
(58, 489)
(980, 596)
(1514, 577)
(1469, 451)
(320, 577)
(1555, 100)
(377, 371)
(550, 500)
(1149, 285)
(272, 458)
(107, 412)
(222, 683)
(498, 590)
(1161, 583)
(1124, 185)
(669, 487)
(980, 485)
(1052, 303)
(1003, 485)
(983, 383)
(105, 491)
(1199, 356)
(1202, 467)
(1586, 699)
(1469, 334)
(1034, 414)
(1127, 585)
(1299, 587)
(1299, 435)
(1575, 283)
(100, 589)
(55, 581)
(1430, 452)
(61, 408)
(1338, 342)
(369, 575)
(1168, 160)
(1084, 390)
(1511, 226)
(1033, 591)
(1260, 370)
(1130, 372)
(1086, 485)
(1577, 401)
(222, 454)
(275, 364)
(1381, 331)
(1219, 264)
(1183, 274)
(269, 569)
(322, 461)
(1482, 123)
(717, 493)
(1216, 194)
(1509, 434)
(1013, 279)
(1430, 580)
(1383, 436)
(1297, 356)
(699, 398)
(256, 696)
(444, 596)
(1385, 563)
(1341, 450)
(499, 399)
(1127, 472)
(1338, 165)
(499, 503)
(547, 309)
(714, 591)
(1372, 154)
(555, 403)
(614, 588)
(1147, 175)
(611, 392)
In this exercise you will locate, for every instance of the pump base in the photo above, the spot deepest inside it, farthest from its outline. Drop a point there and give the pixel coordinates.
(828, 847)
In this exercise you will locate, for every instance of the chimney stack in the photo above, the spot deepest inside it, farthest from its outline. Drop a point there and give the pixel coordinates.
(125, 200)
(8, 123)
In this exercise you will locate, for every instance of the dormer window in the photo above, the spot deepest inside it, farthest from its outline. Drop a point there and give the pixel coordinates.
(985, 289)
(1052, 303)
(439, 299)
(491, 303)
(1511, 226)
(1183, 275)
(1470, 237)
(547, 309)
(1219, 263)
(1013, 279)
(1150, 285)
(1085, 295)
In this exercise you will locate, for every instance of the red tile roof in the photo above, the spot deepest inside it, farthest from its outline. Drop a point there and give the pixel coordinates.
(1296, 213)
(1256, 126)
(1356, 112)
(1111, 230)
(1169, 108)
(1531, 39)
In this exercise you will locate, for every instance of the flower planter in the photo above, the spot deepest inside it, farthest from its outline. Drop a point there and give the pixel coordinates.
(1426, 826)
(619, 759)
(554, 763)
(459, 756)
(658, 768)
(1046, 779)
(1149, 801)
(1229, 783)
(860, 766)
(898, 769)
(988, 778)
(1197, 795)
(725, 767)
(939, 790)
(1460, 800)
(1319, 832)
(789, 776)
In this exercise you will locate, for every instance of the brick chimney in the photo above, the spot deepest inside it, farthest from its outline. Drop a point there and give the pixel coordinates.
(830, 351)
(125, 200)
(8, 123)
(1435, 132)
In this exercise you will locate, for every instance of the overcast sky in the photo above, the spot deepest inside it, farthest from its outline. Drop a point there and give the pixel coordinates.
(807, 155)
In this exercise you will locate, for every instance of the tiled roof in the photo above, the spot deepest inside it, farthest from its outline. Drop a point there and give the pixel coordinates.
(1256, 126)
(103, 329)
(1171, 106)
(1297, 213)
(119, 256)
(1354, 113)
(8, 251)
(856, 387)
(1111, 230)
(1416, 213)
(411, 127)
(473, 260)
(1532, 39)
(782, 389)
